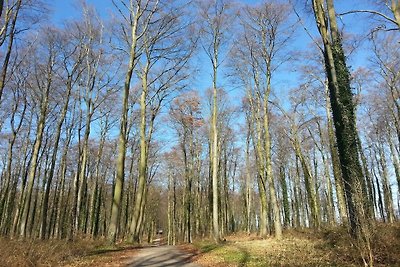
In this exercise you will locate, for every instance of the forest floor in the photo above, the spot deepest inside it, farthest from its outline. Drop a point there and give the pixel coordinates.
(82, 252)
(328, 247)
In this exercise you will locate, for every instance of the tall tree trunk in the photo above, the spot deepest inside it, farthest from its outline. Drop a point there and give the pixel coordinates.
(395, 162)
(387, 192)
(297, 196)
(310, 186)
(269, 174)
(260, 160)
(337, 172)
(11, 38)
(171, 230)
(82, 187)
(60, 123)
(214, 147)
(7, 202)
(329, 191)
(344, 120)
(285, 196)
(36, 149)
(142, 179)
(95, 195)
(24, 173)
(248, 180)
(119, 180)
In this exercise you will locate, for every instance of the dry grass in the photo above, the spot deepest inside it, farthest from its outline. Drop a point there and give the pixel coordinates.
(330, 247)
(83, 252)
(43, 253)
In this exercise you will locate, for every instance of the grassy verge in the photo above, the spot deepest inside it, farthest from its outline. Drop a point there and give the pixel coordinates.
(60, 252)
(300, 248)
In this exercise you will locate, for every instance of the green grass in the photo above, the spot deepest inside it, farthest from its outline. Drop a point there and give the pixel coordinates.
(227, 253)
(205, 246)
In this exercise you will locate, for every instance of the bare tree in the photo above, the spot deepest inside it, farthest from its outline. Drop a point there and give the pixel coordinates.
(217, 18)
(267, 31)
(185, 113)
(47, 70)
(8, 31)
(385, 6)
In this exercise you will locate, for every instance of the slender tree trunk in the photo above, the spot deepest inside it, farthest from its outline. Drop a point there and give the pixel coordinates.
(310, 186)
(387, 192)
(171, 231)
(140, 194)
(395, 162)
(7, 202)
(95, 195)
(271, 181)
(329, 190)
(214, 148)
(260, 162)
(285, 197)
(24, 173)
(11, 38)
(82, 174)
(36, 149)
(337, 172)
(248, 180)
(60, 123)
(115, 212)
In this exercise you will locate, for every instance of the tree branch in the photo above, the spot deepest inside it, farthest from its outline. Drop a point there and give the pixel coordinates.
(370, 12)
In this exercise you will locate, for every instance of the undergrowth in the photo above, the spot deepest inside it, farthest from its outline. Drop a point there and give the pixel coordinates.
(23, 253)
(301, 247)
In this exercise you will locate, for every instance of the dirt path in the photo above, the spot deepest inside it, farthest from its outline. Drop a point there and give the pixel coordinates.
(168, 256)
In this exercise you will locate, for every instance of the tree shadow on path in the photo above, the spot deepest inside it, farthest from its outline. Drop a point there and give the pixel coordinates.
(162, 256)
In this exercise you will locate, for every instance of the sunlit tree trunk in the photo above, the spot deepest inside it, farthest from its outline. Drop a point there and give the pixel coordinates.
(60, 123)
(337, 172)
(11, 36)
(285, 196)
(329, 190)
(395, 162)
(344, 120)
(387, 192)
(38, 142)
(140, 193)
(261, 180)
(214, 146)
(268, 162)
(8, 193)
(119, 180)
(248, 179)
(309, 184)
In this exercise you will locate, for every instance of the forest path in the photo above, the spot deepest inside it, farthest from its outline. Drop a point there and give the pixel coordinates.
(168, 256)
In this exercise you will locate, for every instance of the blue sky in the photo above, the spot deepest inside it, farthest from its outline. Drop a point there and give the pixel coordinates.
(284, 80)
(68, 9)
